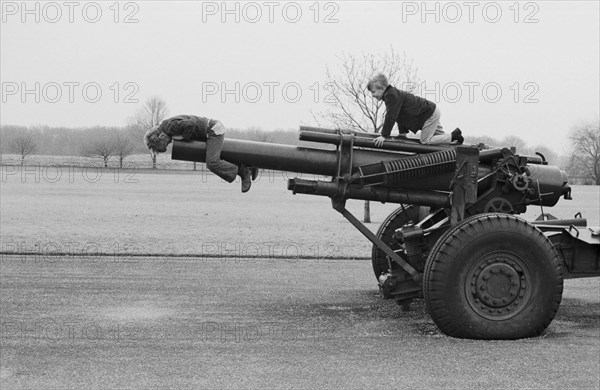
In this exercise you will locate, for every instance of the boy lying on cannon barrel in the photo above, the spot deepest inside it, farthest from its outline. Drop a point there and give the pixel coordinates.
(211, 131)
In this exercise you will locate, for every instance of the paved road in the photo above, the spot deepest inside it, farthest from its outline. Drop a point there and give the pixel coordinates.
(83, 322)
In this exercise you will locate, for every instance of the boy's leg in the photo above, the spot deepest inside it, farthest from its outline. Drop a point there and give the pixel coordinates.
(224, 169)
(432, 132)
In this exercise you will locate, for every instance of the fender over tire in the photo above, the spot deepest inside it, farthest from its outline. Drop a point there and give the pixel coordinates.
(493, 276)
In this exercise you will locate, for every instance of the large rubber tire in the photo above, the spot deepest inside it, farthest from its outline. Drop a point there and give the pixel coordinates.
(398, 218)
(493, 276)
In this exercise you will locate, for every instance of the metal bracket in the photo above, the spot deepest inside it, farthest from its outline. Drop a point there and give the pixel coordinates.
(340, 206)
(464, 183)
(344, 168)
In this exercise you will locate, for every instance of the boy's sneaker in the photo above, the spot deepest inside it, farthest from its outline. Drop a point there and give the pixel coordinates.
(457, 136)
(246, 176)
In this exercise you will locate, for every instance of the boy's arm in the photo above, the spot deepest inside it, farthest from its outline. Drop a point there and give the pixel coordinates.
(393, 106)
(185, 128)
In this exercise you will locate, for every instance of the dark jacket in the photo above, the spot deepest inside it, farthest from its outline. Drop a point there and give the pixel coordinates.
(407, 110)
(189, 127)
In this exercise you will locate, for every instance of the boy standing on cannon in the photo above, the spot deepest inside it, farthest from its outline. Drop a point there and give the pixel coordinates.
(410, 112)
(211, 131)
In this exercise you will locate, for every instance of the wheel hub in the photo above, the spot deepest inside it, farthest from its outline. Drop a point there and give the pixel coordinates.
(498, 205)
(498, 285)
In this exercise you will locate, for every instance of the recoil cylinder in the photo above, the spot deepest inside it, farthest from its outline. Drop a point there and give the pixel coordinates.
(397, 172)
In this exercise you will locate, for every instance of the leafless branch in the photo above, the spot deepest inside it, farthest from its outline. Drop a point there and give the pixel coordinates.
(352, 106)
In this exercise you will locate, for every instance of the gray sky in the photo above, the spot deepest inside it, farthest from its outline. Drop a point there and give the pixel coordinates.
(529, 69)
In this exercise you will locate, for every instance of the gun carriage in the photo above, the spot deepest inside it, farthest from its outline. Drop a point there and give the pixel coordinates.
(455, 239)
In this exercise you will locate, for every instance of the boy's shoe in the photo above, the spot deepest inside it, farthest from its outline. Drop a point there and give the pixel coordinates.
(457, 136)
(246, 176)
(254, 171)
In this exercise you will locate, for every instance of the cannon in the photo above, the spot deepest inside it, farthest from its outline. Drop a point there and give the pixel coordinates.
(456, 239)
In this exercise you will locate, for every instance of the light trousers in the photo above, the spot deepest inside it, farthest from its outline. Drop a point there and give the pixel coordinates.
(432, 132)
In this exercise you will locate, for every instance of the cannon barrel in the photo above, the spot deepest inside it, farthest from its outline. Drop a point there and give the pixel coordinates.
(409, 146)
(379, 194)
(278, 156)
(367, 142)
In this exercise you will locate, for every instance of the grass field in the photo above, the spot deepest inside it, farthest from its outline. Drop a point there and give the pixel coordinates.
(134, 161)
(48, 210)
(240, 291)
(165, 212)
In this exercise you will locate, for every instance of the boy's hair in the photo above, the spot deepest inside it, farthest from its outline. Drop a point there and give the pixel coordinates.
(151, 138)
(378, 80)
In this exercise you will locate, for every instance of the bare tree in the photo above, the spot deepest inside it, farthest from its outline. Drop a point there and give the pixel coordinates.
(585, 156)
(352, 106)
(149, 115)
(124, 146)
(23, 143)
(101, 143)
(152, 112)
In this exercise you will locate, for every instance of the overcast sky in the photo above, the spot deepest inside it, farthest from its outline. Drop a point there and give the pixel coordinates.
(529, 69)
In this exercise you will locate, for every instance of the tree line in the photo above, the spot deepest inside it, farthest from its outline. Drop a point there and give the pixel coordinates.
(118, 143)
(105, 143)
